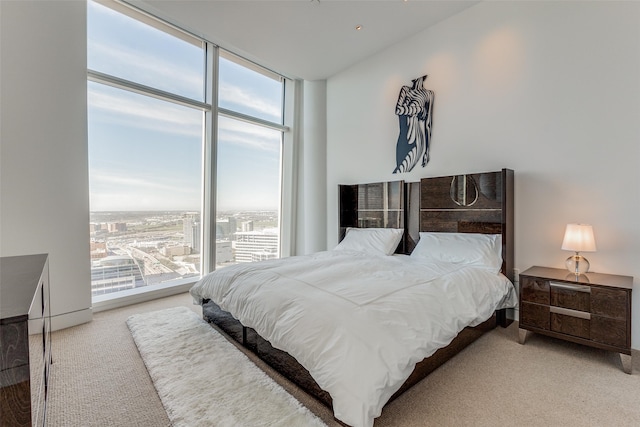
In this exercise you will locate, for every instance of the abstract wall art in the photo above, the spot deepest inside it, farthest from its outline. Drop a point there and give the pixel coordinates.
(414, 108)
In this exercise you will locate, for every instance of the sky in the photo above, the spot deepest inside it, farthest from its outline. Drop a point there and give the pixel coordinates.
(146, 154)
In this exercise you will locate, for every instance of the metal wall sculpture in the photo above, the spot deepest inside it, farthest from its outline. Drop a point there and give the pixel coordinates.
(414, 108)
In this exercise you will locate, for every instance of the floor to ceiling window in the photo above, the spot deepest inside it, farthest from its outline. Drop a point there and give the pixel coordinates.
(152, 142)
(249, 154)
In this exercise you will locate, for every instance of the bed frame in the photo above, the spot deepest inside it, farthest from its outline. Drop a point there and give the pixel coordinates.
(471, 203)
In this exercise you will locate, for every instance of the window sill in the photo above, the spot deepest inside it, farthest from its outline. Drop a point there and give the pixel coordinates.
(138, 295)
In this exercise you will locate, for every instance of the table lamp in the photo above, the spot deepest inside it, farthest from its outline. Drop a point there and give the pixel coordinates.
(578, 238)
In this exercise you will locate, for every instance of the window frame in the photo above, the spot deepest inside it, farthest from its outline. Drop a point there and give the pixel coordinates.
(211, 112)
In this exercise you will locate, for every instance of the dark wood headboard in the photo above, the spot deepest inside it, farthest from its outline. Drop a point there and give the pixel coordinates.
(469, 203)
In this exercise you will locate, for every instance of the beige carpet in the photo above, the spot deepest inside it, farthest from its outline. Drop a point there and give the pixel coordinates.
(99, 379)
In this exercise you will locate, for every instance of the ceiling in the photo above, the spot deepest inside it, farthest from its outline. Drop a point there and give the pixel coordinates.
(307, 39)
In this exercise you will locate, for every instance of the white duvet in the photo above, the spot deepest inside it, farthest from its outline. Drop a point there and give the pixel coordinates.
(358, 323)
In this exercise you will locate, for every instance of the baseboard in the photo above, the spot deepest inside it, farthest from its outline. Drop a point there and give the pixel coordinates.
(635, 361)
(123, 299)
(67, 320)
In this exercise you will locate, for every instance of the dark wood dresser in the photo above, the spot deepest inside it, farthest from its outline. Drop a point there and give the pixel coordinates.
(592, 309)
(25, 340)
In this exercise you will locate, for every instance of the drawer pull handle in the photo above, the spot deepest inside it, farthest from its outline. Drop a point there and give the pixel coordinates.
(577, 288)
(569, 312)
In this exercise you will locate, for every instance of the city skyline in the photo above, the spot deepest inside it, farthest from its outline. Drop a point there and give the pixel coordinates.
(142, 248)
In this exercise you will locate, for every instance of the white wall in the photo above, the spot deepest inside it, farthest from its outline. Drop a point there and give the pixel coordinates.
(549, 89)
(44, 204)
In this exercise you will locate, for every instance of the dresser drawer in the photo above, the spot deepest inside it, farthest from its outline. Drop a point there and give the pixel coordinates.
(571, 322)
(534, 315)
(534, 290)
(571, 296)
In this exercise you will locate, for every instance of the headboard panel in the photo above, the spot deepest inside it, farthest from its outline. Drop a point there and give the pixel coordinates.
(473, 203)
(376, 205)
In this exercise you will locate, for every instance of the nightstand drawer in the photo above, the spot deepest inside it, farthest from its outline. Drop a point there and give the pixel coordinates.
(534, 315)
(610, 331)
(534, 290)
(609, 302)
(570, 322)
(567, 295)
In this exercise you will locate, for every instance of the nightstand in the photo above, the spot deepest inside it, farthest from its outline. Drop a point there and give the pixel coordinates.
(592, 309)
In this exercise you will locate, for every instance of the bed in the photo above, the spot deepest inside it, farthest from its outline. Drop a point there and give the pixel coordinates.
(427, 258)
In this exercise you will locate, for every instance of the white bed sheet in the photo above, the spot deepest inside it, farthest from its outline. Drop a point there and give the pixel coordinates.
(358, 323)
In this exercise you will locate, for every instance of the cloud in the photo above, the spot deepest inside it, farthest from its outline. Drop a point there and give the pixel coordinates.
(142, 112)
(240, 96)
(119, 201)
(111, 191)
(147, 69)
(254, 137)
(110, 179)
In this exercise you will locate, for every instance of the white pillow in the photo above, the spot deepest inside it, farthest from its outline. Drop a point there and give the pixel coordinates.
(478, 250)
(374, 241)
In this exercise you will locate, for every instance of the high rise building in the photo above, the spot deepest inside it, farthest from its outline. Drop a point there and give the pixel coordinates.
(226, 229)
(233, 227)
(256, 245)
(191, 229)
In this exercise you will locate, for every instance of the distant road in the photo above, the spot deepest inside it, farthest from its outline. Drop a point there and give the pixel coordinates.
(151, 263)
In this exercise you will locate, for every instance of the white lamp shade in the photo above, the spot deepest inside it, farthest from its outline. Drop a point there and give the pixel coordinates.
(579, 238)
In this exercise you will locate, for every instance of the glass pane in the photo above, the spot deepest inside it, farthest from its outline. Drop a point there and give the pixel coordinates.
(381, 196)
(247, 91)
(248, 192)
(127, 48)
(145, 179)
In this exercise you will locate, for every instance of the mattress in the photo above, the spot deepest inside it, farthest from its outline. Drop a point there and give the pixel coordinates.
(358, 323)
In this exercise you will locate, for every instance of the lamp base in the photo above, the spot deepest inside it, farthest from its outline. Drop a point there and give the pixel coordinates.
(577, 264)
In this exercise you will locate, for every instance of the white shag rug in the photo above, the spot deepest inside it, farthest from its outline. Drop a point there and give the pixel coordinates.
(204, 380)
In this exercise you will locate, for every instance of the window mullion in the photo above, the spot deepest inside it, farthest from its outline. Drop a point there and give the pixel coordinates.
(98, 77)
(250, 119)
(210, 159)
